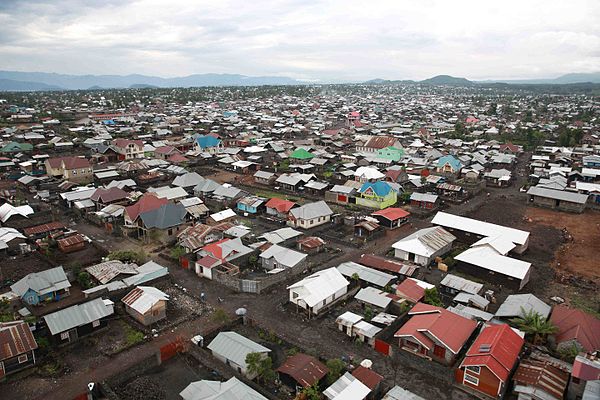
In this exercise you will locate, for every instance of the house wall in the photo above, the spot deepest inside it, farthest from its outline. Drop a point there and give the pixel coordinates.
(490, 276)
(377, 202)
(309, 223)
(447, 359)
(156, 313)
(488, 382)
(12, 365)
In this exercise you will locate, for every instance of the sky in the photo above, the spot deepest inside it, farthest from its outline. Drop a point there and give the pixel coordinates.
(322, 40)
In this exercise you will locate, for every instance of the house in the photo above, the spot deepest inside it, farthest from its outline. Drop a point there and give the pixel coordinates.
(128, 149)
(383, 264)
(369, 378)
(301, 154)
(146, 304)
(37, 287)
(251, 204)
(71, 323)
(72, 243)
(163, 224)
(452, 285)
(427, 201)
(188, 181)
(375, 298)
(264, 178)
(368, 174)
(219, 253)
(469, 230)
(147, 202)
(195, 237)
(516, 305)
(279, 207)
(485, 262)
(575, 328)
(423, 246)
(278, 257)
(585, 377)
(227, 215)
(365, 274)
(103, 197)
(398, 393)
(317, 291)
(166, 152)
(232, 389)
(301, 371)
(377, 143)
(280, 236)
(490, 360)
(347, 387)
(412, 289)
(232, 348)
(498, 177)
(540, 379)
(391, 217)
(390, 153)
(74, 169)
(435, 333)
(310, 215)
(448, 165)
(557, 199)
(11, 215)
(208, 144)
(311, 244)
(346, 322)
(11, 240)
(294, 182)
(377, 195)
(17, 347)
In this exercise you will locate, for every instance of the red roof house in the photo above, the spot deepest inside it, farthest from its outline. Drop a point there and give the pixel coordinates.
(302, 370)
(279, 207)
(490, 360)
(575, 327)
(410, 290)
(391, 217)
(147, 202)
(17, 346)
(435, 333)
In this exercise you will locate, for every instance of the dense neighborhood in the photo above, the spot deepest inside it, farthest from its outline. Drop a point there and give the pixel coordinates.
(340, 242)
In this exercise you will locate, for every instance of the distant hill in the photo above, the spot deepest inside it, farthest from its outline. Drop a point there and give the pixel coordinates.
(142, 86)
(447, 80)
(37, 80)
(9, 85)
(593, 77)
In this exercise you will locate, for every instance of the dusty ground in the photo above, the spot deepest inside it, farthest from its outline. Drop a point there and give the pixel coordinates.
(576, 254)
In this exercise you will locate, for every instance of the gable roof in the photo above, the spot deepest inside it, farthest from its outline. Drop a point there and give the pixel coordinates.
(283, 255)
(576, 324)
(428, 321)
(15, 338)
(146, 203)
(143, 298)
(207, 141)
(311, 210)
(166, 216)
(379, 188)
(301, 154)
(449, 159)
(304, 369)
(233, 389)
(281, 205)
(319, 286)
(108, 195)
(380, 142)
(511, 307)
(78, 315)
(497, 347)
(235, 347)
(425, 242)
(43, 282)
(392, 213)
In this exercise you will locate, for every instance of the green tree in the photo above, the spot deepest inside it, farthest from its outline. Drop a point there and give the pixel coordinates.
(368, 313)
(177, 252)
(355, 277)
(433, 297)
(311, 393)
(253, 363)
(260, 366)
(220, 316)
(534, 325)
(335, 367)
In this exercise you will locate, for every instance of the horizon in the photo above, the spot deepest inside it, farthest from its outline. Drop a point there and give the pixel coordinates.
(320, 41)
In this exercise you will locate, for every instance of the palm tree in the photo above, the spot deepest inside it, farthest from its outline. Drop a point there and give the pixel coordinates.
(533, 324)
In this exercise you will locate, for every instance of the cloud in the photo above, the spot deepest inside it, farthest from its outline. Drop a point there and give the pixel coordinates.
(315, 40)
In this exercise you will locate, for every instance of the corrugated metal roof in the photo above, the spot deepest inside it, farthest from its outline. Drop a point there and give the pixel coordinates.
(235, 347)
(78, 315)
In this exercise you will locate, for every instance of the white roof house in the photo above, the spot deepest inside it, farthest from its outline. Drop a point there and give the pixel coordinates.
(368, 173)
(78, 315)
(223, 215)
(235, 347)
(8, 210)
(347, 387)
(515, 304)
(461, 284)
(143, 298)
(318, 287)
(425, 242)
(311, 210)
(348, 319)
(283, 257)
(233, 389)
(366, 274)
(374, 297)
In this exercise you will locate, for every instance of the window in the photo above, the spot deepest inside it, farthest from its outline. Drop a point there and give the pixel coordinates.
(64, 336)
(294, 295)
(23, 358)
(471, 380)
(170, 232)
(96, 323)
(475, 369)
(324, 301)
(576, 380)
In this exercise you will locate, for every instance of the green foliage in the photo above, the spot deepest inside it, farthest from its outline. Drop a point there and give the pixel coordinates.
(335, 367)
(311, 393)
(450, 261)
(132, 336)
(177, 252)
(433, 297)
(138, 257)
(404, 307)
(569, 353)
(85, 280)
(368, 313)
(327, 174)
(260, 366)
(220, 316)
(42, 342)
(355, 277)
(534, 325)
(252, 260)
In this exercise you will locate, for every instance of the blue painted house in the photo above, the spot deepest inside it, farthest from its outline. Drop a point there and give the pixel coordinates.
(208, 144)
(449, 165)
(377, 195)
(38, 287)
(251, 204)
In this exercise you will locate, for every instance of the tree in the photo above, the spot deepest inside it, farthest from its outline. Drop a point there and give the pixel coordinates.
(177, 252)
(355, 277)
(368, 313)
(220, 316)
(534, 325)
(433, 297)
(260, 366)
(253, 363)
(311, 393)
(335, 367)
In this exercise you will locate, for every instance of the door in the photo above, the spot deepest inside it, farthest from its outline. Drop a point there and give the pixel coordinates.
(439, 351)
(73, 335)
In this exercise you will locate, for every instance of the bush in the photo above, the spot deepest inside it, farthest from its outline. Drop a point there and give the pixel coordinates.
(335, 367)
(433, 297)
(220, 316)
(137, 257)
(177, 252)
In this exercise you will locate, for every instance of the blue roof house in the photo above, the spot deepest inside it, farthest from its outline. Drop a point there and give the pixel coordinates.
(208, 144)
(448, 165)
(378, 195)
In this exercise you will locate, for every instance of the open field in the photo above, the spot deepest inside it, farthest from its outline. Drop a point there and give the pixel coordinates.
(576, 255)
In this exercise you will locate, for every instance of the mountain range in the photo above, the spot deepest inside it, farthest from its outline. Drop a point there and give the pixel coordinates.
(43, 81)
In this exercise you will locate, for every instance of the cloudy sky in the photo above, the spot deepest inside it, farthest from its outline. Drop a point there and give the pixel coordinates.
(342, 40)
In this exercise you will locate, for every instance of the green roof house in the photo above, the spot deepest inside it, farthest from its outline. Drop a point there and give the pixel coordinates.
(390, 153)
(15, 147)
(301, 154)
